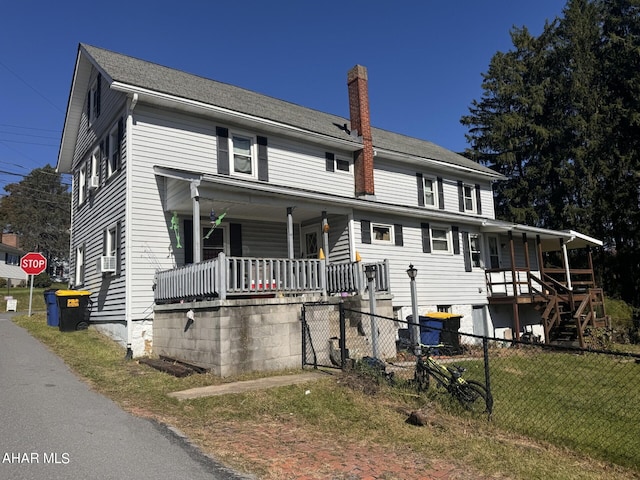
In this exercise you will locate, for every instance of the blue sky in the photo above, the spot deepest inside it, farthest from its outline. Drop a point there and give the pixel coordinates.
(424, 58)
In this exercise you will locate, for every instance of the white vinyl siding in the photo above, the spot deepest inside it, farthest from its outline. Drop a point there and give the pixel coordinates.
(441, 280)
(106, 208)
(173, 140)
(396, 183)
(298, 165)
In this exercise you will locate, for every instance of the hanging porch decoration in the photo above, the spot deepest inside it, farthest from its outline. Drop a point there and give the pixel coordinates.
(216, 220)
(175, 226)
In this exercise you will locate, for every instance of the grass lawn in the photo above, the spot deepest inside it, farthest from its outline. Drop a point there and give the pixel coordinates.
(341, 410)
(22, 296)
(588, 402)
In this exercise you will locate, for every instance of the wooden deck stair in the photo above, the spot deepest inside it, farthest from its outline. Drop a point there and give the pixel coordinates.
(568, 326)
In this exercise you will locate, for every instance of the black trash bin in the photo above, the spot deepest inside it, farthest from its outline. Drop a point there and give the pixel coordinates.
(53, 312)
(74, 309)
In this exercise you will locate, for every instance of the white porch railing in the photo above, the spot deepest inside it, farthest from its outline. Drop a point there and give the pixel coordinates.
(349, 277)
(224, 277)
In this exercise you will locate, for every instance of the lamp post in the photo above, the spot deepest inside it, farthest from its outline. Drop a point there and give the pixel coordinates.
(415, 327)
(370, 272)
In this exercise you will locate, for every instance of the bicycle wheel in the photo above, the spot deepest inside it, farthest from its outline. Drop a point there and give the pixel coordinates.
(474, 397)
(441, 380)
(421, 379)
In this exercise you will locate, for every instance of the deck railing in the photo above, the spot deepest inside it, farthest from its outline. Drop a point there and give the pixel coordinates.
(507, 282)
(224, 277)
(349, 277)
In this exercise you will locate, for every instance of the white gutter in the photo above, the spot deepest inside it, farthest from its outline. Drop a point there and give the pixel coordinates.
(324, 198)
(439, 163)
(123, 87)
(128, 257)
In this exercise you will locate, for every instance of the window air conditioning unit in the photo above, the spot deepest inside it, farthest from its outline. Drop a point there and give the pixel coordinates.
(107, 264)
(94, 181)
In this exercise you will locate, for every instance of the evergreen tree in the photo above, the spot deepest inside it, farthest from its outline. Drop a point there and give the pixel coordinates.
(38, 209)
(505, 132)
(560, 117)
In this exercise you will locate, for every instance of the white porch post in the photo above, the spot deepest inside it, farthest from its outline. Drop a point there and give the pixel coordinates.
(565, 259)
(290, 232)
(197, 256)
(325, 236)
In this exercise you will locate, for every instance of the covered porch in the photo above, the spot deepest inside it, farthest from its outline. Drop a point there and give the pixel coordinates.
(553, 272)
(231, 239)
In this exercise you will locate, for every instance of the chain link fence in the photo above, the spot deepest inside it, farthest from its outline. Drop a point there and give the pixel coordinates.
(585, 400)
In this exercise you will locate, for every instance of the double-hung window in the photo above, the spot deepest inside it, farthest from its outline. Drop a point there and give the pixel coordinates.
(82, 183)
(243, 148)
(113, 153)
(93, 101)
(469, 198)
(430, 192)
(494, 253)
(111, 247)
(474, 251)
(79, 280)
(12, 259)
(95, 167)
(440, 239)
(381, 233)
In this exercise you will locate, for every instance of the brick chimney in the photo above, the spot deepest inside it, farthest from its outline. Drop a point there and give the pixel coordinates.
(10, 239)
(361, 123)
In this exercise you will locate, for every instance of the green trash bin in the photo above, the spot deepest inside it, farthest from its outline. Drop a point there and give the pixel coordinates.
(74, 309)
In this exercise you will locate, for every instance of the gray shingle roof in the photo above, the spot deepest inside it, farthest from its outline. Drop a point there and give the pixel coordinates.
(143, 74)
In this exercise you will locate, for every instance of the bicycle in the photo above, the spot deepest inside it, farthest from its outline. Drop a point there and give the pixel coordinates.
(472, 395)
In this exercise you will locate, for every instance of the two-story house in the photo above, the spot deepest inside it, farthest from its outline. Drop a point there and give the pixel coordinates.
(10, 256)
(171, 170)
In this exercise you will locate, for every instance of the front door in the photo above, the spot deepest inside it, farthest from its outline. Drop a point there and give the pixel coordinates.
(213, 242)
(311, 242)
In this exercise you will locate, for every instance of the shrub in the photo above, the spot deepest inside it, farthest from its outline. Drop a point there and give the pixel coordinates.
(622, 323)
(42, 281)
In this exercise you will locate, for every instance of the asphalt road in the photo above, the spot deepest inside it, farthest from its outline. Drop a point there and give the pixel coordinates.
(52, 426)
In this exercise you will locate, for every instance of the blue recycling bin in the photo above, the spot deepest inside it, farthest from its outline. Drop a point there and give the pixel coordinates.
(53, 311)
(441, 327)
(430, 330)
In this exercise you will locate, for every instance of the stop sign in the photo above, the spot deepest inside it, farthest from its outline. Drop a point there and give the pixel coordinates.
(33, 263)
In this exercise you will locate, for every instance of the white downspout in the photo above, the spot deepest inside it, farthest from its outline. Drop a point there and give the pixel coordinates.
(128, 257)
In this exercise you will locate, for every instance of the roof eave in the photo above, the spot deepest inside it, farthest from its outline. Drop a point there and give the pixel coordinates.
(440, 164)
(70, 130)
(164, 99)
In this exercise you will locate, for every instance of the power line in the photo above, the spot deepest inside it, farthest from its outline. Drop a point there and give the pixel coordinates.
(18, 152)
(27, 135)
(32, 88)
(29, 128)
(6, 172)
(30, 143)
